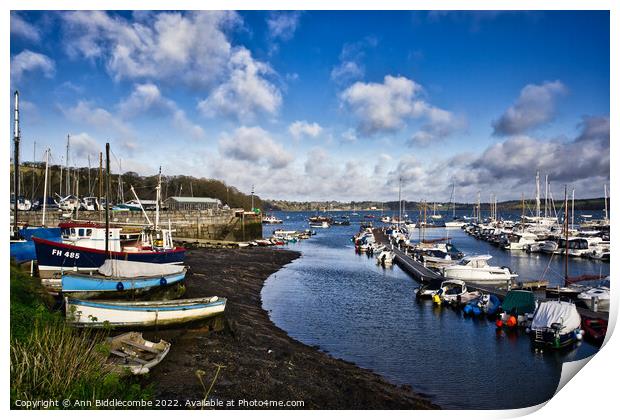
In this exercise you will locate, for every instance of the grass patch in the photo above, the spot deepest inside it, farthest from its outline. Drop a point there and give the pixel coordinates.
(50, 360)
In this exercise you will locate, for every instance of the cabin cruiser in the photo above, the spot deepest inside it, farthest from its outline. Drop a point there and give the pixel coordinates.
(598, 295)
(456, 223)
(476, 269)
(519, 241)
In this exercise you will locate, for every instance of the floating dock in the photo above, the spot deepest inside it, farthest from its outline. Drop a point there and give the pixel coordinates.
(423, 275)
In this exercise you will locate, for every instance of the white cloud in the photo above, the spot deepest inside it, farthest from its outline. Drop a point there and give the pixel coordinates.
(350, 67)
(534, 107)
(190, 48)
(255, 145)
(246, 93)
(349, 136)
(298, 129)
(83, 145)
(24, 29)
(389, 106)
(282, 25)
(147, 97)
(28, 61)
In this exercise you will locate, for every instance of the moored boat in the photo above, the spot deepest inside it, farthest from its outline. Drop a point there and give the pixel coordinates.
(475, 269)
(87, 313)
(556, 324)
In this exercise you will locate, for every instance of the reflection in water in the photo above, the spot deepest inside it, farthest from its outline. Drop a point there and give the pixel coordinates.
(356, 310)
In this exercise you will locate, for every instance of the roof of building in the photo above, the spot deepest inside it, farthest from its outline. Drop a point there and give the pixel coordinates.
(195, 200)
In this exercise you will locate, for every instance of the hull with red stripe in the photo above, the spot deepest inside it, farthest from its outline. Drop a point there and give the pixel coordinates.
(54, 257)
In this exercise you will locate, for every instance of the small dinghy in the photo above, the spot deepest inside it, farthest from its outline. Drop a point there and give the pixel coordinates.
(428, 290)
(556, 324)
(486, 304)
(454, 292)
(122, 276)
(594, 329)
(88, 313)
(131, 353)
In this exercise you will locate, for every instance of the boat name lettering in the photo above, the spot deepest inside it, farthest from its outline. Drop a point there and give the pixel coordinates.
(66, 254)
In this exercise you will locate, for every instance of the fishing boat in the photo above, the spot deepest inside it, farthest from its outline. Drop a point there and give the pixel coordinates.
(131, 353)
(556, 324)
(477, 270)
(122, 276)
(87, 313)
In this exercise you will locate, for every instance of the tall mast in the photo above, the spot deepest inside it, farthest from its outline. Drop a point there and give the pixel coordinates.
(537, 194)
(157, 199)
(606, 214)
(107, 199)
(252, 204)
(47, 158)
(566, 230)
(100, 183)
(68, 179)
(572, 222)
(89, 189)
(400, 209)
(546, 194)
(453, 203)
(16, 139)
(34, 158)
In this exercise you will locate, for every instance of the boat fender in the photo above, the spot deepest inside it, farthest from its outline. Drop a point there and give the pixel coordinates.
(213, 299)
(163, 281)
(119, 286)
(499, 323)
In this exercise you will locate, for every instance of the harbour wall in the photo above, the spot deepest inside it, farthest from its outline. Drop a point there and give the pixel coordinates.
(212, 224)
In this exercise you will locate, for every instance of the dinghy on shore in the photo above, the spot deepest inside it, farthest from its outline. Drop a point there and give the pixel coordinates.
(122, 276)
(131, 353)
(87, 313)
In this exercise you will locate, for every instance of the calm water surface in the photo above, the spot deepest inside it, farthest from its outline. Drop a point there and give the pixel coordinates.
(353, 309)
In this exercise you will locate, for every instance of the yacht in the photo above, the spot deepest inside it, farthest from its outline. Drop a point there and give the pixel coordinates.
(476, 269)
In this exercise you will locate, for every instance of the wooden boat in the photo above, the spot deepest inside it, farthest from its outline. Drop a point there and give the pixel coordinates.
(122, 276)
(131, 353)
(86, 313)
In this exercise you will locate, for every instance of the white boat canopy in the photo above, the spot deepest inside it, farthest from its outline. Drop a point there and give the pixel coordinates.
(552, 312)
(130, 269)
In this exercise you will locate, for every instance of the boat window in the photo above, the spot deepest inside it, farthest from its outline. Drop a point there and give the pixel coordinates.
(80, 232)
(72, 231)
(89, 232)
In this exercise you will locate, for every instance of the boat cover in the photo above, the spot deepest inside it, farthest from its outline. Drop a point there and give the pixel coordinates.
(130, 269)
(519, 302)
(550, 312)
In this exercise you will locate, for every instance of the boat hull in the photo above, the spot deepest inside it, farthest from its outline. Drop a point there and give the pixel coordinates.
(56, 257)
(75, 282)
(98, 314)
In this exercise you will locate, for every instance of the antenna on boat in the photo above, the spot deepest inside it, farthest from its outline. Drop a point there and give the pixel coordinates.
(16, 139)
(107, 198)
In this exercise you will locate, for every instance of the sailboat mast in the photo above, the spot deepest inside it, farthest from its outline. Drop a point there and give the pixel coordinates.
(546, 194)
(34, 158)
(453, 203)
(157, 199)
(400, 210)
(100, 183)
(107, 199)
(572, 222)
(47, 158)
(566, 232)
(68, 177)
(606, 214)
(537, 194)
(16, 139)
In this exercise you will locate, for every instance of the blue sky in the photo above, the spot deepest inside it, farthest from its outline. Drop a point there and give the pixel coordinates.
(325, 105)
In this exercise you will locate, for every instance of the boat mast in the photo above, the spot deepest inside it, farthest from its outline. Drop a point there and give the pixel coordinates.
(34, 158)
(157, 198)
(89, 189)
(478, 209)
(453, 203)
(400, 210)
(566, 233)
(100, 183)
(546, 194)
(68, 177)
(606, 214)
(572, 222)
(16, 139)
(107, 199)
(47, 158)
(537, 194)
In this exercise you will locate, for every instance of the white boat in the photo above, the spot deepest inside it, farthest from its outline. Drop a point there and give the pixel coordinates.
(386, 219)
(386, 257)
(455, 224)
(600, 295)
(476, 269)
(271, 219)
(90, 203)
(519, 241)
(556, 324)
(321, 225)
(454, 291)
(69, 203)
(131, 353)
(86, 313)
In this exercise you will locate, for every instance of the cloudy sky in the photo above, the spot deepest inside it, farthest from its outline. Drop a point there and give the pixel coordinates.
(325, 105)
